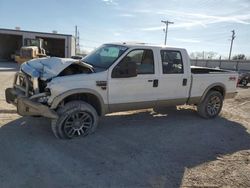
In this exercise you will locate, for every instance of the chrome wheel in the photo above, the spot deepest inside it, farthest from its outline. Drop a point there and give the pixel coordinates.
(214, 105)
(77, 124)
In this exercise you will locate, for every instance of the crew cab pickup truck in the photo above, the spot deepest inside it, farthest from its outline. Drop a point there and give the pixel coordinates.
(74, 94)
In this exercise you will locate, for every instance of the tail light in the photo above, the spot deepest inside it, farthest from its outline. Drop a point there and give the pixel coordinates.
(238, 83)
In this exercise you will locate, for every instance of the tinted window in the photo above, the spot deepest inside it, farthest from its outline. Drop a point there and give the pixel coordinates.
(171, 62)
(105, 56)
(144, 60)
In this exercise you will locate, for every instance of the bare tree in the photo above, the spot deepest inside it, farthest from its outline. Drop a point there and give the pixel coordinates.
(239, 57)
(204, 55)
(211, 55)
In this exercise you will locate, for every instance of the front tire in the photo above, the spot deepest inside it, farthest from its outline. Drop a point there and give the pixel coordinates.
(211, 106)
(76, 118)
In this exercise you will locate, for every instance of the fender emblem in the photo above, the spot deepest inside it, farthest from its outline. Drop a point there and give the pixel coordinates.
(102, 84)
(232, 78)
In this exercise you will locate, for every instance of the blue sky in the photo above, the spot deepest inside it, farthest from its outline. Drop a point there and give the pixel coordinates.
(199, 24)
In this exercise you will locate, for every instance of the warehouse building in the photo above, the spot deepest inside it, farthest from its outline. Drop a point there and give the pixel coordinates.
(58, 45)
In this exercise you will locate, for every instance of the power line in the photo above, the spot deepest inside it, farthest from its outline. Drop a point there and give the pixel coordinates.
(166, 29)
(231, 46)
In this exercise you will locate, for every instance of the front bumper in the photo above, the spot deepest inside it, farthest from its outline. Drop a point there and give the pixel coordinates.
(27, 106)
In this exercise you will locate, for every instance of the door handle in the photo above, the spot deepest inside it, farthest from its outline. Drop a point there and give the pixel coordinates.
(184, 82)
(155, 82)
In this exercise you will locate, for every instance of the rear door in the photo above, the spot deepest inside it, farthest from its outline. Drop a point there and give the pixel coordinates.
(139, 90)
(174, 81)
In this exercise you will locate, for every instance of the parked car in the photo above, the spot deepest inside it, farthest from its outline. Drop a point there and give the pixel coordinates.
(116, 77)
(244, 78)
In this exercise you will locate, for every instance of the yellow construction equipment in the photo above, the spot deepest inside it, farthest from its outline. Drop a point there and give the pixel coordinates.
(32, 49)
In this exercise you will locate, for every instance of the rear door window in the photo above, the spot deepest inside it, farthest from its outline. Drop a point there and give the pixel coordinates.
(171, 62)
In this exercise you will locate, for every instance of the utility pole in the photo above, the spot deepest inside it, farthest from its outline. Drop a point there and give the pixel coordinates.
(77, 39)
(78, 42)
(231, 46)
(166, 29)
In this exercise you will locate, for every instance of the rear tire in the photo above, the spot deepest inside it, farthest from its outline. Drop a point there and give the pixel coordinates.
(211, 106)
(76, 118)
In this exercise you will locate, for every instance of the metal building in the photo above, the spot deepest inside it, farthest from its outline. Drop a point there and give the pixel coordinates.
(59, 45)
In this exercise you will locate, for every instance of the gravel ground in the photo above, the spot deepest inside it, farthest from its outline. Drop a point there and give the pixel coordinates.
(170, 148)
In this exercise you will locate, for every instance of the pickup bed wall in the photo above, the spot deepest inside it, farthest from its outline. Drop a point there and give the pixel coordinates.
(223, 64)
(205, 70)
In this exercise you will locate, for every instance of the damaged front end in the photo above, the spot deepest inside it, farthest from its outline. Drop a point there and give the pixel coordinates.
(23, 96)
(30, 93)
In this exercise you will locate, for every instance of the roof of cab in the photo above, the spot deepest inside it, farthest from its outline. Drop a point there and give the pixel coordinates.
(143, 45)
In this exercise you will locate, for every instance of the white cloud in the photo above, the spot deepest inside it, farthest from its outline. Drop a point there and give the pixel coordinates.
(189, 20)
(210, 19)
(186, 25)
(127, 15)
(186, 40)
(117, 34)
(152, 28)
(142, 11)
(110, 2)
(190, 24)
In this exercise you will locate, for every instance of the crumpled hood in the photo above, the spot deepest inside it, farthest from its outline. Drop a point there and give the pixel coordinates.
(46, 68)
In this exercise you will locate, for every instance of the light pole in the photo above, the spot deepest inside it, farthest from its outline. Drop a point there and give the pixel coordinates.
(166, 29)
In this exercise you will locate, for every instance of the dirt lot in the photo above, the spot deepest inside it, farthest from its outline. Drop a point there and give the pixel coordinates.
(172, 148)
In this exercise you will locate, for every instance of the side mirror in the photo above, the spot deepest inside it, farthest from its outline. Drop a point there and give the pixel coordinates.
(125, 70)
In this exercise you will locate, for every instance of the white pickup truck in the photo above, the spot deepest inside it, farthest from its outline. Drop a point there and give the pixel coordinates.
(116, 77)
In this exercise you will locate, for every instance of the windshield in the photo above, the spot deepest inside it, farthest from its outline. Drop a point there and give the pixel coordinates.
(105, 56)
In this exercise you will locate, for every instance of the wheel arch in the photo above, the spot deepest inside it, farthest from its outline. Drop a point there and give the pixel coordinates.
(90, 96)
(215, 87)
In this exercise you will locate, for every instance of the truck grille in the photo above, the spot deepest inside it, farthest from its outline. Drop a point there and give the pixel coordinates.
(24, 83)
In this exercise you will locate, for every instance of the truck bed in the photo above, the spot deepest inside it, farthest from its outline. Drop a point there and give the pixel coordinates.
(202, 78)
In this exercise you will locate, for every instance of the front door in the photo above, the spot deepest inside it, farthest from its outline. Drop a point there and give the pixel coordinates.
(134, 92)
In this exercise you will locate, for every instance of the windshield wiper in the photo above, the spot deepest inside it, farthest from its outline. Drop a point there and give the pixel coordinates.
(98, 66)
(87, 63)
(90, 66)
